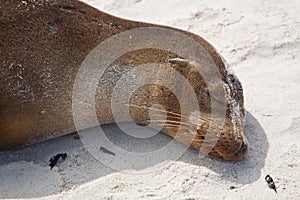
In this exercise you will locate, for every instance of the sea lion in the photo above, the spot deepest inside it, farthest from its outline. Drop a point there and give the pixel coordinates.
(43, 44)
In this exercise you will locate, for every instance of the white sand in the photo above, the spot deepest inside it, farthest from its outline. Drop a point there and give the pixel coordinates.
(261, 41)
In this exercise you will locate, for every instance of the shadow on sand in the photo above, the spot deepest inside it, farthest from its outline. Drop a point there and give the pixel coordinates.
(24, 172)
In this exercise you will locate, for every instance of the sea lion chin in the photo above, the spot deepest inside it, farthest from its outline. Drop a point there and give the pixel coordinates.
(43, 44)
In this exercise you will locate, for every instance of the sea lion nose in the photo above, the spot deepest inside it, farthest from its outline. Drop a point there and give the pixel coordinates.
(242, 151)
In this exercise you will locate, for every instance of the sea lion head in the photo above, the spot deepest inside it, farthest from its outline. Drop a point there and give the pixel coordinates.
(227, 142)
(222, 133)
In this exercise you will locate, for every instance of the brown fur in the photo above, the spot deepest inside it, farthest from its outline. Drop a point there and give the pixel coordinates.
(42, 45)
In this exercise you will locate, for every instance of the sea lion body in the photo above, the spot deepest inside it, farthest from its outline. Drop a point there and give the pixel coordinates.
(43, 44)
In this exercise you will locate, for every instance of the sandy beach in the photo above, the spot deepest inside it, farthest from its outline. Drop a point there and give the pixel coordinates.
(261, 42)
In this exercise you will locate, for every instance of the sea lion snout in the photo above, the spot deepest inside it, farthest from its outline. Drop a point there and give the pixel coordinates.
(229, 144)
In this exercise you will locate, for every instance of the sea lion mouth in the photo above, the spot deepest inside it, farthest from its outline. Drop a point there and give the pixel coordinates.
(238, 155)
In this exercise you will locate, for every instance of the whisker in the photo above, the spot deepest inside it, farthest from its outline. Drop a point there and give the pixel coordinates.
(168, 112)
(191, 123)
(188, 130)
(161, 115)
(155, 109)
(187, 123)
(200, 118)
(209, 128)
(170, 121)
(181, 115)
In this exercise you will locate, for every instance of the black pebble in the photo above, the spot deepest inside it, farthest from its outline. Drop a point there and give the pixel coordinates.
(270, 182)
(53, 160)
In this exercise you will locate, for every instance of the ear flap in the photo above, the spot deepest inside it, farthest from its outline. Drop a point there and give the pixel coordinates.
(179, 61)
